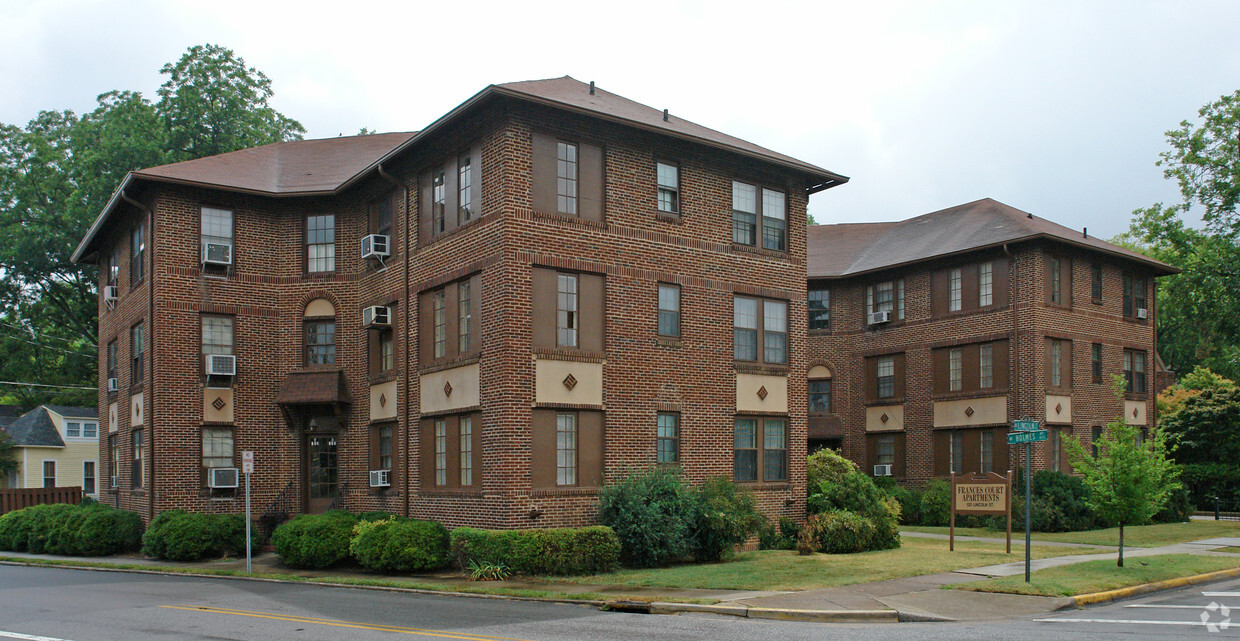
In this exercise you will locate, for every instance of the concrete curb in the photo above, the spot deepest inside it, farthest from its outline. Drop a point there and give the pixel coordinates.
(783, 614)
(1146, 588)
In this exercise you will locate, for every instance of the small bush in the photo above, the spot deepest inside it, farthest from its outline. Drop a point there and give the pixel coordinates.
(20, 529)
(841, 532)
(177, 535)
(558, 551)
(651, 515)
(315, 541)
(856, 494)
(910, 504)
(105, 531)
(936, 507)
(376, 516)
(783, 538)
(826, 466)
(45, 529)
(724, 516)
(406, 545)
(1177, 509)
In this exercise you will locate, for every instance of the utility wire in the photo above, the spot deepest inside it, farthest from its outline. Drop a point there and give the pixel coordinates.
(56, 349)
(14, 383)
(41, 334)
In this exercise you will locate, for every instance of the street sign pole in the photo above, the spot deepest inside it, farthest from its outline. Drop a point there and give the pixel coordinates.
(1028, 467)
(247, 466)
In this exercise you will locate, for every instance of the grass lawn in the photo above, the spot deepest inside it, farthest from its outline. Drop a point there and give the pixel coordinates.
(1098, 576)
(786, 570)
(1141, 536)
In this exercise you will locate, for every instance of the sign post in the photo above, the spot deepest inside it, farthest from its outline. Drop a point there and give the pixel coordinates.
(247, 467)
(986, 493)
(1027, 432)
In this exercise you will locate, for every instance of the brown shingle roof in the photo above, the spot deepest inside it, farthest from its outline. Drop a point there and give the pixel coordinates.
(857, 248)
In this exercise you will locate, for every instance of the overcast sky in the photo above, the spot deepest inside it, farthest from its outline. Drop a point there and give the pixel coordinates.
(1057, 108)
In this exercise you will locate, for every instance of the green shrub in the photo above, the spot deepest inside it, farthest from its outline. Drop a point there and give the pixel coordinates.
(1208, 480)
(405, 545)
(910, 504)
(108, 531)
(841, 532)
(177, 535)
(557, 551)
(45, 528)
(857, 494)
(20, 529)
(724, 516)
(315, 541)
(826, 466)
(376, 516)
(1177, 509)
(936, 507)
(651, 515)
(783, 538)
(91, 529)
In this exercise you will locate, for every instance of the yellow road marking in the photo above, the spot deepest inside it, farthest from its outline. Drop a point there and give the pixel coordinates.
(341, 624)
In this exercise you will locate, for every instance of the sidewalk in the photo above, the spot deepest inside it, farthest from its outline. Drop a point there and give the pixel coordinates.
(909, 599)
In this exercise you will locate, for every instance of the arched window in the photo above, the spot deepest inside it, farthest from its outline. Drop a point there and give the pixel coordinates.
(819, 390)
(320, 332)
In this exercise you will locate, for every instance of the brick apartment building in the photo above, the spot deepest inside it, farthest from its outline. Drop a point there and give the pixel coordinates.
(479, 323)
(928, 336)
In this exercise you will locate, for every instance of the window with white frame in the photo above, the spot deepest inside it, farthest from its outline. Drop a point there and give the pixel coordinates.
(774, 220)
(667, 438)
(956, 290)
(217, 228)
(217, 447)
(886, 376)
(1056, 363)
(566, 177)
(467, 450)
(566, 310)
(955, 369)
(986, 366)
(885, 449)
(49, 473)
(90, 478)
(744, 213)
(985, 284)
(987, 446)
(464, 317)
(565, 448)
(321, 243)
(669, 187)
(887, 296)
(440, 313)
(465, 183)
(441, 452)
(669, 310)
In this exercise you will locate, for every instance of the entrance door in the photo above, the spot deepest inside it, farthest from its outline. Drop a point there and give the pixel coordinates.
(321, 472)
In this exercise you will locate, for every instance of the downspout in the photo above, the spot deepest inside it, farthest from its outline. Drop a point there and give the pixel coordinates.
(1013, 279)
(404, 429)
(149, 394)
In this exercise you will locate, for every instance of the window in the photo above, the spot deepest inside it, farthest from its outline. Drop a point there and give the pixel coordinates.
(957, 441)
(985, 284)
(1134, 295)
(1095, 362)
(217, 335)
(49, 473)
(136, 472)
(321, 243)
(669, 310)
(89, 479)
(112, 359)
(566, 310)
(387, 350)
(1134, 372)
(114, 461)
(467, 450)
(385, 448)
(217, 448)
(465, 187)
(1095, 282)
(565, 449)
(137, 347)
(114, 266)
(744, 213)
(441, 452)
(668, 176)
(774, 450)
(956, 291)
(774, 220)
(90, 430)
(439, 310)
(566, 178)
(986, 366)
(987, 448)
(217, 228)
(1056, 363)
(956, 369)
(745, 449)
(1056, 281)
(1056, 449)
(439, 205)
(820, 396)
(773, 338)
(321, 342)
(886, 377)
(819, 309)
(887, 296)
(381, 210)
(667, 438)
(885, 450)
(73, 429)
(1095, 434)
(137, 253)
(464, 317)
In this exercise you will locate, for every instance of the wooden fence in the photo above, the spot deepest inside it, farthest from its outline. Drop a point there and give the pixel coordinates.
(17, 499)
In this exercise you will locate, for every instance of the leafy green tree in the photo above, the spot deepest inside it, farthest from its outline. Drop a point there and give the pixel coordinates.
(1199, 309)
(8, 457)
(1130, 479)
(58, 172)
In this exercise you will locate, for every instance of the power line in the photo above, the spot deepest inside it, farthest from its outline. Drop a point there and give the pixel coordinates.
(56, 349)
(32, 332)
(15, 383)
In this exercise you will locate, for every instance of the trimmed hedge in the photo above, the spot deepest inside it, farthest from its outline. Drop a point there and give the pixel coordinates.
(89, 529)
(315, 541)
(841, 532)
(177, 535)
(559, 551)
(399, 545)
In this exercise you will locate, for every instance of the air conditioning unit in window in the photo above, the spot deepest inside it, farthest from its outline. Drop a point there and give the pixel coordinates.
(113, 384)
(217, 254)
(221, 365)
(110, 294)
(1141, 313)
(376, 316)
(115, 483)
(877, 318)
(222, 477)
(380, 478)
(882, 470)
(376, 246)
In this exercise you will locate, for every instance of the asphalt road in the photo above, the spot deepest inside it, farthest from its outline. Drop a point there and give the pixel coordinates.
(38, 603)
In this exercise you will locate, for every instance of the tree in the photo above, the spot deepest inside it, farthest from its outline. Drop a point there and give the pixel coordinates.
(1199, 309)
(58, 172)
(1130, 479)
(1199, 415)
(8, 458)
